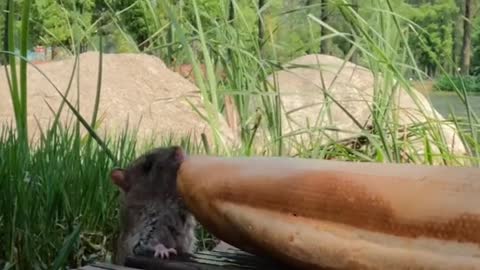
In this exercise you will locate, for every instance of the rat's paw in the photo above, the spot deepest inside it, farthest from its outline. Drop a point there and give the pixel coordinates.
(163, 252)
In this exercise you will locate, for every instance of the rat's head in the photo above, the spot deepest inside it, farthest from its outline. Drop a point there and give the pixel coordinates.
(152, 176)
(149, 189)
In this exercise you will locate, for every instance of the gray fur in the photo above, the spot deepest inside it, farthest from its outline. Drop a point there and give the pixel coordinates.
(151, 211)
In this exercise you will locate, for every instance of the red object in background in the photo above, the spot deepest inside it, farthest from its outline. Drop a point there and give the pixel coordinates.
(40, 49)
(41, 55)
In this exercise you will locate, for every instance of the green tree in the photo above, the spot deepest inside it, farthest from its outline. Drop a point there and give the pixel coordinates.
(434, 42)
(134, 20)
(80, 14)
(210, 11)
(55, 24)
(64, 23)
(325, 16)
(2, 28)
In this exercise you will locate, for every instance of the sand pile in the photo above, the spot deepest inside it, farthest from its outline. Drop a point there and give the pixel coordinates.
(352, 86)
(136, 88)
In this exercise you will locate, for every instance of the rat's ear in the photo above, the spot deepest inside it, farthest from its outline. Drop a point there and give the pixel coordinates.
(179, 155)
(117, 176)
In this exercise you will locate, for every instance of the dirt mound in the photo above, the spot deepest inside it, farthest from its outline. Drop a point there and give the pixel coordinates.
(137, 88)
(352, 87)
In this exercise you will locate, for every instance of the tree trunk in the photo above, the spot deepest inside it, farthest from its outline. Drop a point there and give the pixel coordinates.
(324, 17)
(54, 52)
(4, 59)
(231, 11)
(261, 30)
(231, 19)
(457, 38)
(308, 9)
(467, 37)
(355, 54)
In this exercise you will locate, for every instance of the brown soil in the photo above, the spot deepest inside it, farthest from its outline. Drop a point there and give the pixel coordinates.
(136, 89)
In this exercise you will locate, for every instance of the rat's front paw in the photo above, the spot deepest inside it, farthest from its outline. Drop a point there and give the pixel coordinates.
(163, 252)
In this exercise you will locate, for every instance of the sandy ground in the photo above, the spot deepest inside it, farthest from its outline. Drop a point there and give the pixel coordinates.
(137, 90)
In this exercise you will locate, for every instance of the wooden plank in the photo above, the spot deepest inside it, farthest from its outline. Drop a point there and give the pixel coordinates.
(89, 267)
(208, 263)
(206, 260)
(225, 257)
(106, 266)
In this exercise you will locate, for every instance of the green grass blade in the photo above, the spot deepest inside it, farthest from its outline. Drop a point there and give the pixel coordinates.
(23, 65)
(67, 248)
(99, 87)
(14, 91)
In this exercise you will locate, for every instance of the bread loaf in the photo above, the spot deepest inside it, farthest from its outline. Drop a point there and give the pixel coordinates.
(317, 214)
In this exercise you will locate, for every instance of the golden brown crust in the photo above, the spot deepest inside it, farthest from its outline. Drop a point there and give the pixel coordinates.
(430, 214)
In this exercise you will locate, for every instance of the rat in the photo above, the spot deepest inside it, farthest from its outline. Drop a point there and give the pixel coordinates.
(153, 217)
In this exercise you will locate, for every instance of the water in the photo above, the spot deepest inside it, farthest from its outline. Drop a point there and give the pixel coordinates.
(447, 103)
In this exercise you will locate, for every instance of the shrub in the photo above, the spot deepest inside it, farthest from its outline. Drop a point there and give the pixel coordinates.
(451, 83)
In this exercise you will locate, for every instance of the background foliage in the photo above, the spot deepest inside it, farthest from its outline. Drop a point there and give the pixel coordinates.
(55, 21)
